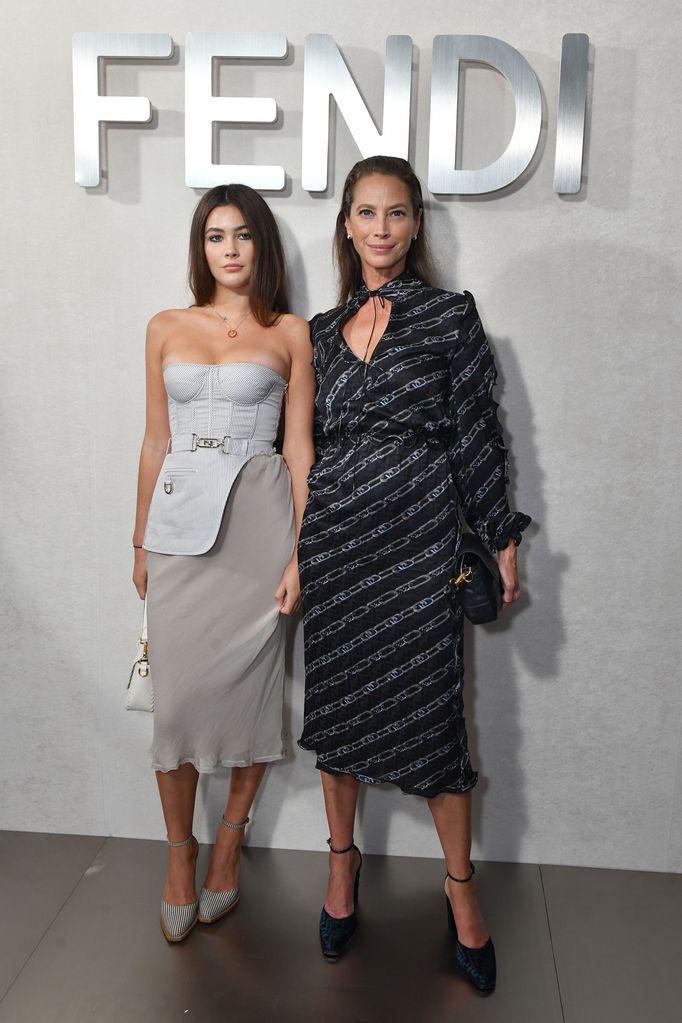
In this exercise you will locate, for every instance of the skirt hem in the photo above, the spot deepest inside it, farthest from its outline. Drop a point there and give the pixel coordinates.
(219, 764)
(408, 791)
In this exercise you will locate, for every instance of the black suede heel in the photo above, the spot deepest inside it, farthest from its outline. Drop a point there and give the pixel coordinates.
(337, 933)
(477, 964)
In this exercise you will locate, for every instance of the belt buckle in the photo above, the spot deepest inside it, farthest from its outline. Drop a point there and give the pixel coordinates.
(208, 442)
(235, 445)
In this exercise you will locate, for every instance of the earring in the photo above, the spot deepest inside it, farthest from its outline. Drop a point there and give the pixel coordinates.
(414, 237)
(349, 237)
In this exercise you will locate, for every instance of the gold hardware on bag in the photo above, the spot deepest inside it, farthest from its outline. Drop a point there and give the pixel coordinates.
(466, 576)
(143, 663)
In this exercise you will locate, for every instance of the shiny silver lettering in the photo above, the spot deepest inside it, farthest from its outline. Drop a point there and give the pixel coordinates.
(203, 109)
(570, 128)
(326, 74)
(448, 52)
(90, 108)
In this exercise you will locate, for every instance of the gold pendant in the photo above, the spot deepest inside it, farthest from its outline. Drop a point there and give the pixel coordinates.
(232, 333)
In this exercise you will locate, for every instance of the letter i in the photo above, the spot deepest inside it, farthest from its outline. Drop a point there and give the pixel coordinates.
(570, 129)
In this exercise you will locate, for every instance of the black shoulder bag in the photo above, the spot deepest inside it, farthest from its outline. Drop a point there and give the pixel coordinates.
(476, 581)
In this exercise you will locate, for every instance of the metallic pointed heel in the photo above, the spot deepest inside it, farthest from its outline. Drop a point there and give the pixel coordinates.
(215, 905)
(178, 921)
(337, 933)
(477, 964)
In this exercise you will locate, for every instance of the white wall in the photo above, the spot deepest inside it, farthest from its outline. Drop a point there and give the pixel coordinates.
(574, 706)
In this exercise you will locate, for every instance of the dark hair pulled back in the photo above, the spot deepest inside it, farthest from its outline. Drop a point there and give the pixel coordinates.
(348, 263)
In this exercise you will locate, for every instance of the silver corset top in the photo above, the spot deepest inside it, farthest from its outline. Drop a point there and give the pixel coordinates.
(220, 417)
(232, 399)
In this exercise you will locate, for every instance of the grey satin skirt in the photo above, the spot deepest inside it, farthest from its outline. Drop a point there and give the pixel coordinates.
(216, 636)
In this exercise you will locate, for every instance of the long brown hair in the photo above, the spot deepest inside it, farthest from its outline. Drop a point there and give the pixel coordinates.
(268, 288)
(348, 263)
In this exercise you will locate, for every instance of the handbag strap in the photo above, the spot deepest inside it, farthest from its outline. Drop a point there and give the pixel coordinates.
(143, 634)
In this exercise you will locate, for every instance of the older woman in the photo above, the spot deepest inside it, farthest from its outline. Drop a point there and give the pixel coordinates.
(218, 511)
(406, 433)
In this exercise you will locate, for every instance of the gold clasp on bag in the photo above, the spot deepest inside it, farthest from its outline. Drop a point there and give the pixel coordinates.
(466, 576)
(143, 663)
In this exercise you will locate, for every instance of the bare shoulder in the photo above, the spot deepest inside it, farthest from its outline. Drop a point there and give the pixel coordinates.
(296, 332)
(166, 323)
(170, 319)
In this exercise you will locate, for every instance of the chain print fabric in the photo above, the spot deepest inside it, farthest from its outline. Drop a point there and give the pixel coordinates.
(402, 441)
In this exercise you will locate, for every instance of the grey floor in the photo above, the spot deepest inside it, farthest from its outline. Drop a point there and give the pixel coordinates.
(80, 942)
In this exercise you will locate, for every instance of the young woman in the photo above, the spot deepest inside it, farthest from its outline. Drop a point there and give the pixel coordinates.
(218, 513)
(406, 432)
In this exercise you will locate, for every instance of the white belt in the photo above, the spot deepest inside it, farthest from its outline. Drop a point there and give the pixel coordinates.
(228, 445)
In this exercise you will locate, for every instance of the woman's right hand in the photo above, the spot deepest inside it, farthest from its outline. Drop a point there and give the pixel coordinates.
(140, 573)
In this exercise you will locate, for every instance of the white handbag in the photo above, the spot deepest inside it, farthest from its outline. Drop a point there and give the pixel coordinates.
(139, 693)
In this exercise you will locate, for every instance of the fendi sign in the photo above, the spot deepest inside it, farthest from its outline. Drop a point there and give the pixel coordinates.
(326, 75)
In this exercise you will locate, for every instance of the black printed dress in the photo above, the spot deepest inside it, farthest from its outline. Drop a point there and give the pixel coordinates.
(402, 442)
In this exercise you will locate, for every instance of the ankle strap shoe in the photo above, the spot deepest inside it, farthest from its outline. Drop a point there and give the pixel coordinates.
(337, 933)
(477, 964)
(215, 905)
(178, 921)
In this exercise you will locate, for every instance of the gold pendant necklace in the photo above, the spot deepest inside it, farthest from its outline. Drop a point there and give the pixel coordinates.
(232, 332)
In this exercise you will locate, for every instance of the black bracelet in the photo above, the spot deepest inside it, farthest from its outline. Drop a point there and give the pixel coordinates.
(138, 546)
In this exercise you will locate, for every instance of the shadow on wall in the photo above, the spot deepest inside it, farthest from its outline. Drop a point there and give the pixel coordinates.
(496, 654)
(298, 282)
(492, 688)
(120, 144)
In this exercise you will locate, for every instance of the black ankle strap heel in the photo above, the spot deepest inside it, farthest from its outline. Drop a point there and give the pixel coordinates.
(462, 880)
(340, 852)
(337, 933)
(477, 964)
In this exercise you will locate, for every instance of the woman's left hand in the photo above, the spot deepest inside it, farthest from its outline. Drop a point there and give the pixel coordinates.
(288, 593)
(506, 561)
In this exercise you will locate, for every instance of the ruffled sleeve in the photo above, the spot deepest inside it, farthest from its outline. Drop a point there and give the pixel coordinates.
(477, 451)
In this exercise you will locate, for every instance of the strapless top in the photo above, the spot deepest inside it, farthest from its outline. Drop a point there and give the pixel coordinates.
(220, 416)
